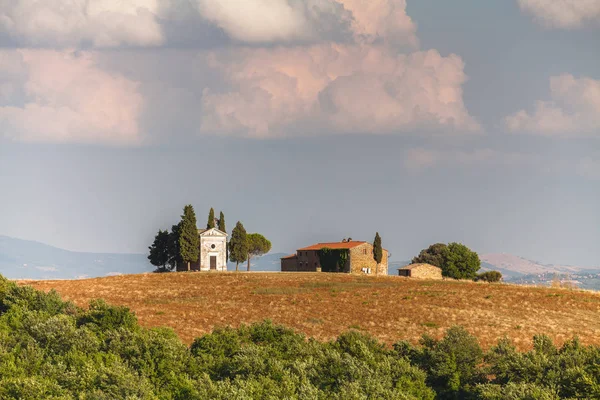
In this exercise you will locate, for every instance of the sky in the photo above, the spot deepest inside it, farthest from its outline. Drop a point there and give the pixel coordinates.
(308, 120)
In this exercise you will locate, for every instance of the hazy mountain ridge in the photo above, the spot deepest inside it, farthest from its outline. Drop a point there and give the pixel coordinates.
(26, 259)
(522, 265)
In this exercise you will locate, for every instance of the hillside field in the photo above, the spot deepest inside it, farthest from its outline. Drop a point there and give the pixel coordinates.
(325, 305)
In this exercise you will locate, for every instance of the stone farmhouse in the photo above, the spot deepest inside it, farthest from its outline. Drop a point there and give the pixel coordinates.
(213, 252)
(360, 260)
(421, 271)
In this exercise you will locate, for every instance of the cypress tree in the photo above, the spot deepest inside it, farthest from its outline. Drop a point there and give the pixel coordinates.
(238, 245)
(211, 219)
(377, 251)
(224, 230)
(189, 240)
(222, 222)
(174, 250)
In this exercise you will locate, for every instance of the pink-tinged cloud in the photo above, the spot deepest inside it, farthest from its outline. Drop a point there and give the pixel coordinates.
(337, 88)
(563, 14)
(102, 23)
(573, 111)
(67, 98)
(268, 21)
(385, 19)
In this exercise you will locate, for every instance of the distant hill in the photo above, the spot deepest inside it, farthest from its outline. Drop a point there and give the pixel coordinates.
(522, 266)
(25, 259)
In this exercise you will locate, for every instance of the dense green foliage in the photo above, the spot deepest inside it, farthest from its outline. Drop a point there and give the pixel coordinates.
(460, 262)
(238, 245)
(222, 222)
(50, 349)
(333, 260)
(258, 245)
(159, 251)
(489, 276)
(189, 240)
(377, 249)
(165, 252)
(455, 259)
(431, 255)
(211, 219)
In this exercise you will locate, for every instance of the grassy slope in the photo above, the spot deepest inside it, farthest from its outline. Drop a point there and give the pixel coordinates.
(324, 305)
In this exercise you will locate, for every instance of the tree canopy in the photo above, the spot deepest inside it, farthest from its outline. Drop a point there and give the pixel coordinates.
(189, 240)
(432, 255)
(211, 219)
(159, 251)
(222, 222)
(460, 262)
(258, 245)
(455, 259)
(238, 245)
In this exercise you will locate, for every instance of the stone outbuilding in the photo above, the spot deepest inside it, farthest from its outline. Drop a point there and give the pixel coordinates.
(213, 252)
(360, 258)
(421, 271)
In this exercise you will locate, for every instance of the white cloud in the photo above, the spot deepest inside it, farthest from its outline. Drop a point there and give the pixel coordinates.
(285, 21)
(573, 111)
(564, 14)
(67, 98)
(102, 23)
(113, 23)
(341, 88)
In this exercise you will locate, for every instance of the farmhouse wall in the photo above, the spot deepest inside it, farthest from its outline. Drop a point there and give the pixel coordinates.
(362, 257)
(289, 264)
(421, 271)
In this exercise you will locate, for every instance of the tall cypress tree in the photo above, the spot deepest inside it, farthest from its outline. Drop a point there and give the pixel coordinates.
(211, 219)
(222, 222)
(377, 251)
(189, 240)
(238, 245)
(224, 230)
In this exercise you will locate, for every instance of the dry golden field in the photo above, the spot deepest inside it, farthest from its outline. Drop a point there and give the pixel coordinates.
(324, 305)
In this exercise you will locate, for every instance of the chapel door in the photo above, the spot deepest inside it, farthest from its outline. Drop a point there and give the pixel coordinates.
(213, 262)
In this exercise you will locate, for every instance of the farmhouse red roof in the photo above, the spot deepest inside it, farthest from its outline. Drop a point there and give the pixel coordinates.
(333, 245)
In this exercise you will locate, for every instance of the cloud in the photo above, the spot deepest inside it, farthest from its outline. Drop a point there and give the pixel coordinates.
(573, 111)
(65, 97)
(340, 88)
(110, 23)
(297, 67)
(563, 14)
(101, 23)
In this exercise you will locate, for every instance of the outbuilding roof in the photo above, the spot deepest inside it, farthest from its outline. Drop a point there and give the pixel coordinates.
(333, 245)
(289, 257)
(413, 266)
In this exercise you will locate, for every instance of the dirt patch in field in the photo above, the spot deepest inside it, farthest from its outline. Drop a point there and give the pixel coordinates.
(325, 305)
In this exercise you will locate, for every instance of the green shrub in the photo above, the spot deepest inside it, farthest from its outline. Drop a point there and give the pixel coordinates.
(489, 276)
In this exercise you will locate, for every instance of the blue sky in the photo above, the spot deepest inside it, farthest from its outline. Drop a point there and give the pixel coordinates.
(308, 120)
